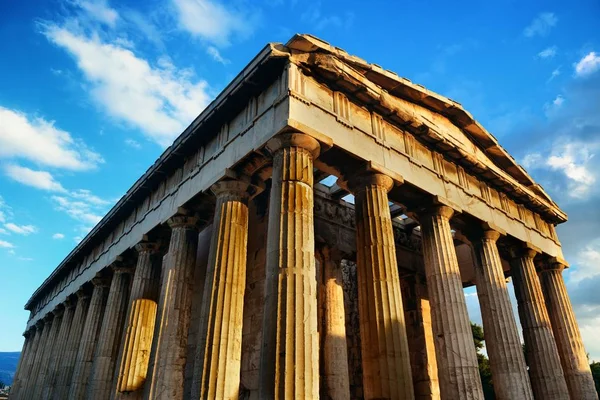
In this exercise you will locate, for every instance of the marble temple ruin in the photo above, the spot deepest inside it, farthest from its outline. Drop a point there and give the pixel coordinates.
(309, 236)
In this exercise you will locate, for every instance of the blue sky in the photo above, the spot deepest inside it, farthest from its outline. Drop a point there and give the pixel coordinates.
(92, 92)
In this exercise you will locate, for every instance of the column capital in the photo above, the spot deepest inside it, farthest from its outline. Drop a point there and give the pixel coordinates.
(82, 294)
(48, 318)
(69, 303)
(553, 264)
(58, 310)
(120, 268)
(484, 231)
(362, 180)
(523, 249)
(235, 188)
(299, 140)
(148, 247)
(183, 221)
(324, 252)
(39, 323)
(101, 281)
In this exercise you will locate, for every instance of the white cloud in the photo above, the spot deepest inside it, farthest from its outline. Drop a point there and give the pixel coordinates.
(85, 208)
(21, 229)
(161, 100)
(212, 21)
(572, 160)
(588, 64)
(588, 263)
(100, 10)
(4, 232)
(554, 74)
(6, 245)
(4, 209)
(541, 25)
(558, 101)
(133, 143)
(39, 141)
(548, 52)
(37, 179)
(216, 55)
(58, 236)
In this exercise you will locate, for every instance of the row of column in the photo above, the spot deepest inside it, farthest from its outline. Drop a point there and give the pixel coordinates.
(129, 340)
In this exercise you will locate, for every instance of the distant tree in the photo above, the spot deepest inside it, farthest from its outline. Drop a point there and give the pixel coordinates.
(485, 372)
(2, 385)
(595, 367)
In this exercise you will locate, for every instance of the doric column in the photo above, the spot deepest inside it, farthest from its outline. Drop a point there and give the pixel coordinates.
(566, 333)
(219, 352)
(384, 345)
(289, 365)
(89, 339)
(26, 380)
(333, 337)
(511, 380)
(105, 357)
(176, 295)
(45, 364)
(458, 371)
(72, 345)
(417, 314)
(17, 380)
(545, 371)
(56, 358)
(139, 332)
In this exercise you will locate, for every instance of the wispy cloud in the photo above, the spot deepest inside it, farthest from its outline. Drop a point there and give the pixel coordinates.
(6, 245)
(37, 179)
(541, 25)
(214, 22)
(89, 213)
(21, 229)
(554, 74)
(318, 21)
(58, 236)
(123, 84)
(100, 10)
(40, 141)
(589, 64)
(133, 144)
(216, 55)
(549, 52)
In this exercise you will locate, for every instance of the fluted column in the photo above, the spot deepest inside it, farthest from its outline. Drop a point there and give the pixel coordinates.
(72, 345)
(26, 381)
(176, 296)
(105, 357)
(45, 364)
(89, 339)
(219, 352)
(509, 371)
(17, 384)
(384, 345)
(142, 309)
(458, 371)
(289, 365)
(417, 313)
(545, 371)
(334, 351)
(566, 333)
(58, 352)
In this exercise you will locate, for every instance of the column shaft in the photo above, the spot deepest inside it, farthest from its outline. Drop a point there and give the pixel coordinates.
(45, 364)
(16, 386)
(385, 356)
(59, 351)
(335, 352)
(89, 340)
(26, 378)
(141, 318)
(176, 295)
(458, 371)
(417, 313)
(72, 346)
(545, 371)
(219, 352)
(509, 371)
(103, 366)
(566, 333)
(289, 365)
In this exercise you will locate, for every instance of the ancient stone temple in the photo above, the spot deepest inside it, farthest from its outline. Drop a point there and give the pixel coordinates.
(309, 235)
